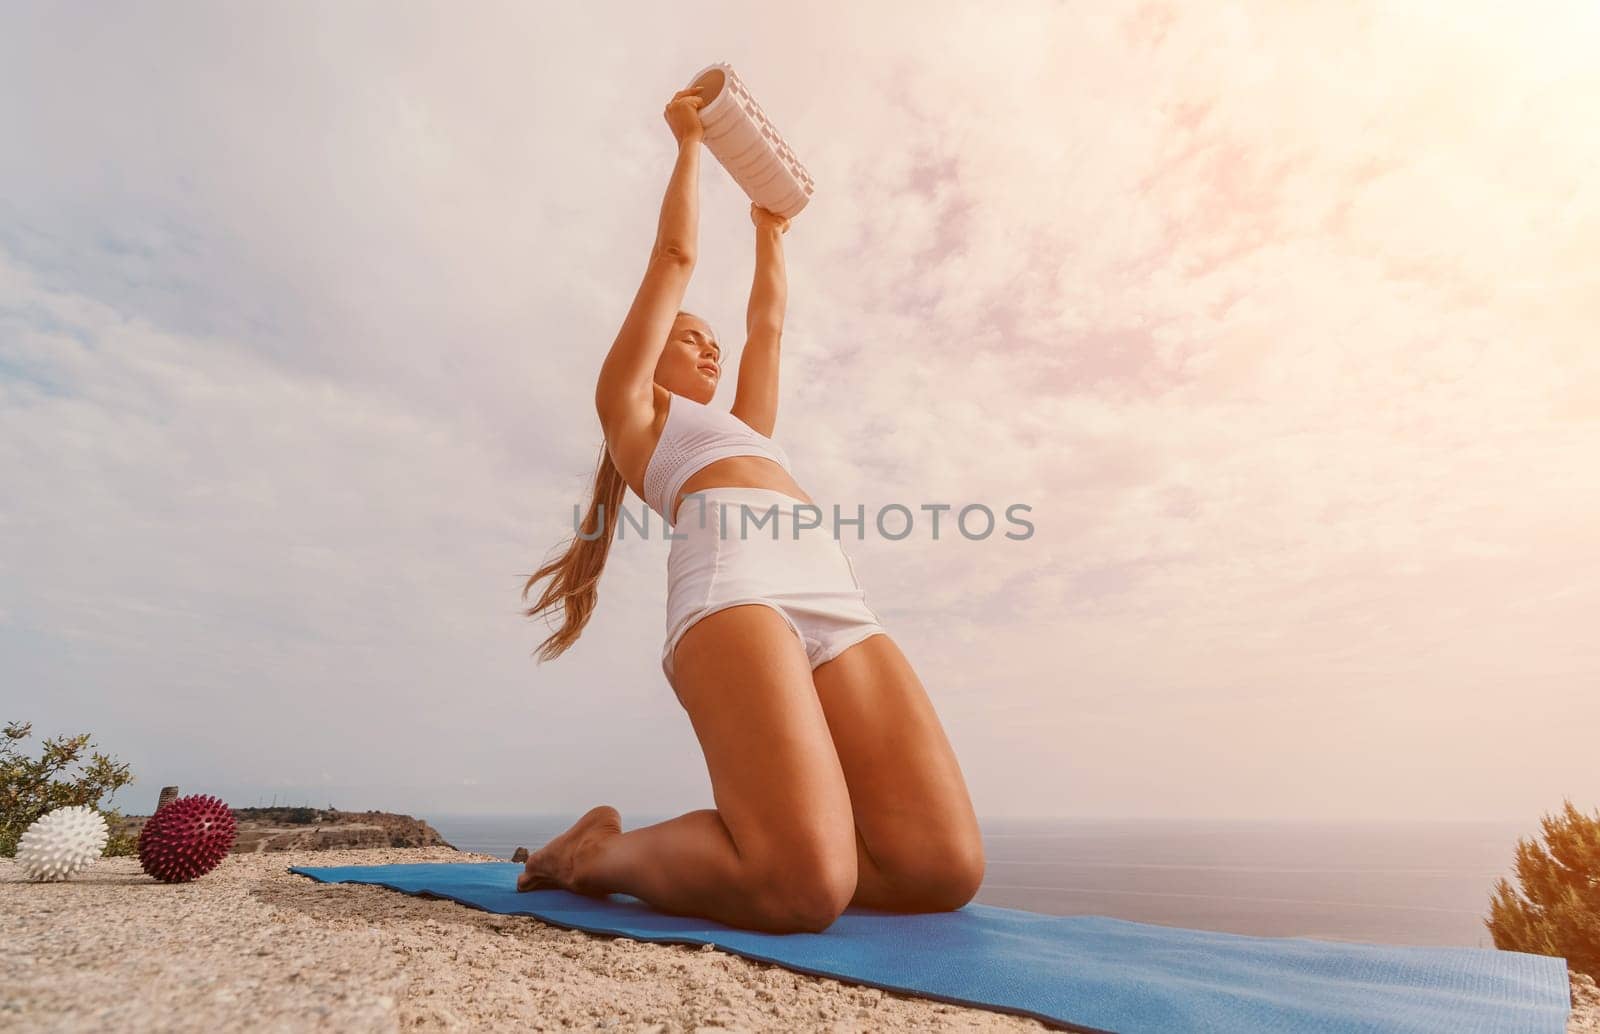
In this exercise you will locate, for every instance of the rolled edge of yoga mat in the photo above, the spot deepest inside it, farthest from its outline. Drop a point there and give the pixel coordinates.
(747, 144)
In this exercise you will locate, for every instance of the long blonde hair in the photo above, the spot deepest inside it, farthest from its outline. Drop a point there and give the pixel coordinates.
(575, 574)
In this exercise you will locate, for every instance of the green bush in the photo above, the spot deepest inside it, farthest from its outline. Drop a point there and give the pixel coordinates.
(1558, 909)
(29, 788)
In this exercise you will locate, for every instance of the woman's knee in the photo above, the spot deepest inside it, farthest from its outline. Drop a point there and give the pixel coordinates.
(956, 881)
(939, 874)
(806, 890)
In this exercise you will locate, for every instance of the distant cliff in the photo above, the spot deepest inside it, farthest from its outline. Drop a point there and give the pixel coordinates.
(313, 829)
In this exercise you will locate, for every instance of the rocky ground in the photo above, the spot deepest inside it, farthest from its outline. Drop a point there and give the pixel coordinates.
(253, 947)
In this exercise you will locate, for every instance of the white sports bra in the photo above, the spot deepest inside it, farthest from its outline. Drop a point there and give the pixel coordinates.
(693, 436)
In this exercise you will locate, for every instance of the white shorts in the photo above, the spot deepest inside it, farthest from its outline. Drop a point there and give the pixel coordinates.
(741, 545)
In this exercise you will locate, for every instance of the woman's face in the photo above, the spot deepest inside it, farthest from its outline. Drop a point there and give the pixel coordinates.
(691, 364)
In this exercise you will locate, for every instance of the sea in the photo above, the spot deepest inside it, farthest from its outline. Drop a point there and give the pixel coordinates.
(1402, 882)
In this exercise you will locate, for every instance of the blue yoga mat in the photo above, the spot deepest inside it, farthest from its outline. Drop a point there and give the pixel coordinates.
(1081, 972)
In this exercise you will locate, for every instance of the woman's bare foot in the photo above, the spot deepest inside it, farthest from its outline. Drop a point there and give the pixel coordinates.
(557, 863)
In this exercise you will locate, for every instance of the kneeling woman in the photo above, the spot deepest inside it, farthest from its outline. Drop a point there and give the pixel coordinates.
(834, 783)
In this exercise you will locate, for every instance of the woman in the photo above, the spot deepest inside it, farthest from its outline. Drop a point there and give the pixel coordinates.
(833, 780)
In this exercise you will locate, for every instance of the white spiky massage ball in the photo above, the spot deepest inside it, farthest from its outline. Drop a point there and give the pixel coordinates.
(62, 842)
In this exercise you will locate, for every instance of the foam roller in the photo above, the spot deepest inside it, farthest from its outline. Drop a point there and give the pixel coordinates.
(747, 144)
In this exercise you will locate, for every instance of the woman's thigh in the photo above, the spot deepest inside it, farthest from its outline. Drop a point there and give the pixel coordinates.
(908, 794)
(743, 677)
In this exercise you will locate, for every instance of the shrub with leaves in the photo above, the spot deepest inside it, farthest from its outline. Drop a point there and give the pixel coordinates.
(29, 788)
(1557, 911)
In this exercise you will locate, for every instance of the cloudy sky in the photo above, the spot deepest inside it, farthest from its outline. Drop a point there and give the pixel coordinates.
(1281, 320)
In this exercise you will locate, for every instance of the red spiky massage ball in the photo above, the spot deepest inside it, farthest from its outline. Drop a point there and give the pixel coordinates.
(186, 838)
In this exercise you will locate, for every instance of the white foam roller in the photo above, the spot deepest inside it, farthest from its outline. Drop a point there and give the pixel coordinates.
(748, 145)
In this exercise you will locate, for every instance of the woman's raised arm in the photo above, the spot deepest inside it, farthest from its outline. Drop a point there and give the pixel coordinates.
(756, 400)
(623, 394)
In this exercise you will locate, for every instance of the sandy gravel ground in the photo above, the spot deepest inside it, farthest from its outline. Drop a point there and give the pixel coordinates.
(252, 947)
(1585, 1006)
